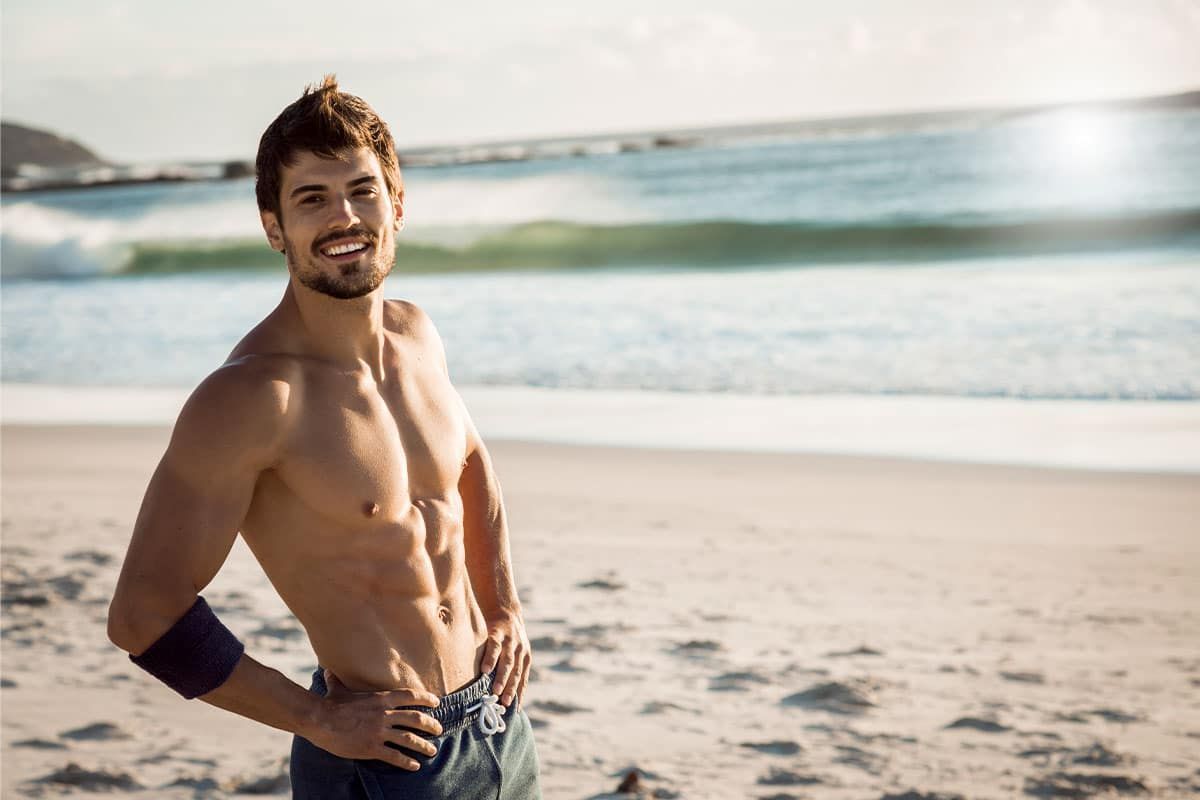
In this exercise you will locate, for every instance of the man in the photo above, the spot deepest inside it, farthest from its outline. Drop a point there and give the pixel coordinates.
(334, 441)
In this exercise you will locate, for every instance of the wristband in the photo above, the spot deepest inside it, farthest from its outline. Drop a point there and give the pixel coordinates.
(196, 654)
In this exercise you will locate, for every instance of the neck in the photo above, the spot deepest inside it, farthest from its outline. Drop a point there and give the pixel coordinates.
(345, 332)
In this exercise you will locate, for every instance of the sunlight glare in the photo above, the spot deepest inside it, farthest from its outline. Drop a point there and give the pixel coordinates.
(1084, 141)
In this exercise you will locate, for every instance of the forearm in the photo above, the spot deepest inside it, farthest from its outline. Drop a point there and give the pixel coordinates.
(485, 539)
(266, 695)
(489, 566)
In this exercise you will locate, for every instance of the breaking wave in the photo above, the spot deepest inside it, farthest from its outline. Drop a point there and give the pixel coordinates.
(97, 251)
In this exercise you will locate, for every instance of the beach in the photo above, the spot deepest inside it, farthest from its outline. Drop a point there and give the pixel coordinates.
(731, 624)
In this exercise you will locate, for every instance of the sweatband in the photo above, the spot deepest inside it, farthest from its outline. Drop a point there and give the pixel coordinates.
(196, 654)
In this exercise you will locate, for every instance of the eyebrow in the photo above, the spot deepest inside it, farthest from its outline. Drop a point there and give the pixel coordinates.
(320, 187)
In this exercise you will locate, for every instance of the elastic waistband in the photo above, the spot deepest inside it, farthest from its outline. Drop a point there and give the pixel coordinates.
(451, 712)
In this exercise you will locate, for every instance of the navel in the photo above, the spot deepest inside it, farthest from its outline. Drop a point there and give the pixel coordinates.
(444, 614)
(370, 509)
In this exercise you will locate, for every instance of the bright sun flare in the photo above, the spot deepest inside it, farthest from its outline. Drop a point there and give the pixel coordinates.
(1084, 140)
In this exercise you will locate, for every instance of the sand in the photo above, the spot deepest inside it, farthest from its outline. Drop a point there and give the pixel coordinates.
(732, 625)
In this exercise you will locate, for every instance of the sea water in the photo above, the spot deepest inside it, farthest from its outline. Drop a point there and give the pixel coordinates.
(1042, 256)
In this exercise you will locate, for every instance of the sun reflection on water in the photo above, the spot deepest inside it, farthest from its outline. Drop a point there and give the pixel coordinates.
(1085, 141)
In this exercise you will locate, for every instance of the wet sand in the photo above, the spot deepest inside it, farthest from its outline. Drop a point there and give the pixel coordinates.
(732, 625)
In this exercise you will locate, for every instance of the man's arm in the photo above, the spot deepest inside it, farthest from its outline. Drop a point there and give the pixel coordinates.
(489, 564)
(229, 431)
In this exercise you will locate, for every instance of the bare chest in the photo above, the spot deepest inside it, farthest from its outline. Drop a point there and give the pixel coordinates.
(366, 452)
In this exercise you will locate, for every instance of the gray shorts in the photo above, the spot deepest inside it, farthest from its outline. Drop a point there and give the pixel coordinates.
(470, 764)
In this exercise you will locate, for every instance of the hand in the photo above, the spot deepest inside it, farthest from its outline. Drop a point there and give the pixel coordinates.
(361, 724)
(508, 652)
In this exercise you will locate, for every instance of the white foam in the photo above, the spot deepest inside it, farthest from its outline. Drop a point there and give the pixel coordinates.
(1126, 435)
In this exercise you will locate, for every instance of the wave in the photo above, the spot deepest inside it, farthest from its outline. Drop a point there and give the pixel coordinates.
(556, 244)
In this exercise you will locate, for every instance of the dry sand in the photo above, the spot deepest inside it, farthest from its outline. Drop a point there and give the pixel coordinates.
(732, 625)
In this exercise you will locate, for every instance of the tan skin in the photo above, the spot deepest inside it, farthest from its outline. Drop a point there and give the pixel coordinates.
(334, 442)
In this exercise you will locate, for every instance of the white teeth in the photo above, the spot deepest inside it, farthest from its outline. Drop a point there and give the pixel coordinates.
(342, 249)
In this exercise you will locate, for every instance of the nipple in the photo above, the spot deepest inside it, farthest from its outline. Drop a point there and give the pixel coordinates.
(370, 509)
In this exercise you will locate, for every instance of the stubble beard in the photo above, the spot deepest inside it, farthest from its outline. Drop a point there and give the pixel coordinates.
(356, 279)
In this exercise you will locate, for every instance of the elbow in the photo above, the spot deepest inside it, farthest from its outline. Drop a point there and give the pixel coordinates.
(137, 619)
(120, 628)
(127, 623)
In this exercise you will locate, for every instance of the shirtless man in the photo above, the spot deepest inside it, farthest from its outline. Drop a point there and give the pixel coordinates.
(334, 441)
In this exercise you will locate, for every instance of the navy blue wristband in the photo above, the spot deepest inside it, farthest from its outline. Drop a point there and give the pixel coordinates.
(196, 654)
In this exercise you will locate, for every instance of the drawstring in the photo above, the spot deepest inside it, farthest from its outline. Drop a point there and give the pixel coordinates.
(491, 714)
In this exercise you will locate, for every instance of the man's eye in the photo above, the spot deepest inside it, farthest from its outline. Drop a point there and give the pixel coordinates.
(366, 192)
(311, 199)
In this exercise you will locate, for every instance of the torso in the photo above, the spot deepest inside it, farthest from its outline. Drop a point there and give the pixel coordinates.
(358, 524)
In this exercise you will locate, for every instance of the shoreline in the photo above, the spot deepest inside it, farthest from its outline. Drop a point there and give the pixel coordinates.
(1112, 436)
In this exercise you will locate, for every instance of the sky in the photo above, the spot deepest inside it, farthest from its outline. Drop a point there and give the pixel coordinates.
(152, 81)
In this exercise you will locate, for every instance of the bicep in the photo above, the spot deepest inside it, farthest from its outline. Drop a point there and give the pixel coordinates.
(189, 519)
(191, 513)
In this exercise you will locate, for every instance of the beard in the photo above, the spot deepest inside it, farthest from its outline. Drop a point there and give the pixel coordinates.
(354, 279)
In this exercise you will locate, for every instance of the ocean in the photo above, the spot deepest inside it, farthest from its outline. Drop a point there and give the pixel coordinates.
(1042, 256)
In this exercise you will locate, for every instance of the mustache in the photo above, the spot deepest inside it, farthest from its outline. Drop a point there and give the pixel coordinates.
(355, 233)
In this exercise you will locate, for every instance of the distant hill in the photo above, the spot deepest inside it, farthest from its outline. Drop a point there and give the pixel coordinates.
(21, 145)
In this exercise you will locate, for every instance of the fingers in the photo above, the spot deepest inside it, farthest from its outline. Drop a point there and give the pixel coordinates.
(411, 697)
(411, 741)
(491, 653)
(526, 667)
(415, 720)
(397, 759)
(505, 671)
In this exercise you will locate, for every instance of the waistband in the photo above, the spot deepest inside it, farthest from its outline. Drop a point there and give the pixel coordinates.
(452, 712)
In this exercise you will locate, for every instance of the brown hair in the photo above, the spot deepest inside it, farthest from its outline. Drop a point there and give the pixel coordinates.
(327, 122)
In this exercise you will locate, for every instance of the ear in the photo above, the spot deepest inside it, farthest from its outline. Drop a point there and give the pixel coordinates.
(398, 222)
(273, 230)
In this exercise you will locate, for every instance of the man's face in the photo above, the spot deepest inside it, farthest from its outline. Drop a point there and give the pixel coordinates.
(336, 223)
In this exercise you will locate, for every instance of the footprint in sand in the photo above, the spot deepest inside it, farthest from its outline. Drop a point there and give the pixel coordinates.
(555, 707)
(850, 697)
(1023, 677)
(856, 757)
(602, 584)
(1068, 784)
(91, 780)
(736, 681)
(1113, 715)
(273, 783)
(861, 650)
(90, 556)
(568, 665)
(96, 732)
(661, 707)
(203, 787)
(981, 724)
(283, 630)
(40, 744)
(778, 747)
(786, 777)
(696, 648)
(913, 794)
(552, 644)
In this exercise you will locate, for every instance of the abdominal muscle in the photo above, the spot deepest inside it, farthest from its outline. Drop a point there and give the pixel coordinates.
(387, 604)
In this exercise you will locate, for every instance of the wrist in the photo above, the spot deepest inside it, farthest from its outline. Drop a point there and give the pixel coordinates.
(504, 612)
(314, 722)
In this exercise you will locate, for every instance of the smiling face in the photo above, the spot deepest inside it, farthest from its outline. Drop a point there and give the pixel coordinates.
(336, 223)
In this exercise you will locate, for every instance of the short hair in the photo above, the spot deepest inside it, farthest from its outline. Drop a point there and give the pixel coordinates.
(326, 122)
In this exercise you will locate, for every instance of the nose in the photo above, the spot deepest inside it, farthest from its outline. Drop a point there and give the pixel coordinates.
(342, 213)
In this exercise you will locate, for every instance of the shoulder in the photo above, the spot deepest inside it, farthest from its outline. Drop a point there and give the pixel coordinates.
(411, 323)
(240, 411)
(408, 319)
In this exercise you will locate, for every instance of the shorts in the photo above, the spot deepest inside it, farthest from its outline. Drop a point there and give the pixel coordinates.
(470, 764)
